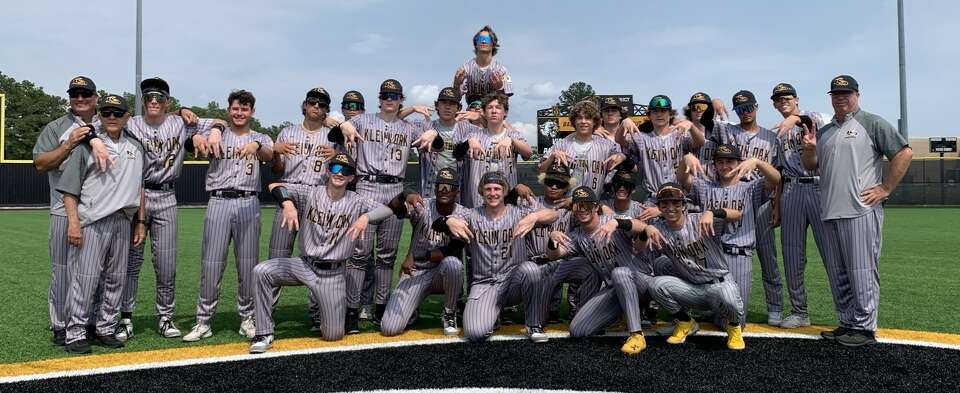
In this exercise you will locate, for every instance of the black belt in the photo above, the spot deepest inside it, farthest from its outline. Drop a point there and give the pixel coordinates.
(803, 180)
(734, 250)
(323, 264)
(384, 179)
(232, 193)
(158, 186)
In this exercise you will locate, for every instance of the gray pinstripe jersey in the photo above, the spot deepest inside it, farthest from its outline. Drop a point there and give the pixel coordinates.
(695, 258)
(477, 80)
(233, 171)
(706, 157)
(790, 147)
(761, 144)
(163, 145)
(323, 224)
(424, 238)
(101, 194)
(587, 159)
(304, 165)
(658, 156)
(432, 162)
(745, 196)
(494, 255)
(604, 258)
(633, 211)
(386, 146)
(490, 160)
(536, 240)
(51, 136)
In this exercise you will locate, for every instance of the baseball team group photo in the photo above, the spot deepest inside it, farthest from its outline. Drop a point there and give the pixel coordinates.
(372, 221)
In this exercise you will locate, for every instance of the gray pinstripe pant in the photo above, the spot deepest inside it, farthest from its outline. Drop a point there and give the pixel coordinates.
(800, 208)
(622, 296)
(328, 286)
(676, 294)
(160, 208)
(854, 246)
(446, 276)
(573, 271)
(236, 219)
(102, 256)
(767, 253)
(59, 272)
(523, 284)
(741, 268)
(282, 239)
(387, 235)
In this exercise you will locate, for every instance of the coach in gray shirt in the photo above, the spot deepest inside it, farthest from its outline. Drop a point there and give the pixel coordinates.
(849, 151)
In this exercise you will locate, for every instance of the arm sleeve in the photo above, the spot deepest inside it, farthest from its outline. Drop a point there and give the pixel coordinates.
(74, 171)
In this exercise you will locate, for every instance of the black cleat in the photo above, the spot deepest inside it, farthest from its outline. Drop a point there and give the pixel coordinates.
(352, 326)
(79, 346)
(833, 334)
(856, 338)
(110, 341)
(59, 337)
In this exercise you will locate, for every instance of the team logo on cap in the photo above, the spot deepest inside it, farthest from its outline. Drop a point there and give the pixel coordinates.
(699, 96)
(740, 98)
(581, 193)
(724, 149)
(113, 100)
(78, 81)
(353, 96)
(319, 90)
(445, 174)
(840, 81)
(781, 87)
(610, 100)
(390, 85)
(342, 158)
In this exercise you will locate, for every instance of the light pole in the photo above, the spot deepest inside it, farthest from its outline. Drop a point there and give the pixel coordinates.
(136, 83)
(903, 72)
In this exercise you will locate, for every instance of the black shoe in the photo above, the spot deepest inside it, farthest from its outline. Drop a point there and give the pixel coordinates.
(833, 334)
(110, 341)
(91, 331)
(351, 325)
(79, 346)
(856, 338)
(378, 315)
(59, 337)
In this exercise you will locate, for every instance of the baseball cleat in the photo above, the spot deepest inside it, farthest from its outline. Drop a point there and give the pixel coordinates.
(110, 341)
(774, 318)
(261, 343)
(856, 338)
(79, 346)
(351, 326)
(198, 333)
(366, 312)
(536, 334)
(168, 329)
(735, 337)
(450, 323)
(794, 321)
(316, 326)
(247, 328)
(635, 344)
(124, 330)
(833, 334)
(59, 337)
(683, 329)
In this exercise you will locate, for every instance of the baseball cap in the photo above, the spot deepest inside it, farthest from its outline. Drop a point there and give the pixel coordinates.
(342, 158)
(320, 94)
(151, 85)
(82, 83)
(391, 86)
(113, 101)
(609, 102)
(844, 83)
(783, 89)
(700, 98)
(584, 194)
(670, 191)
(494, 178)
(743, 98)
(660, 101)
(448, 176)
(558, 172)
(353, 96)
(727, 150)
(448, 94)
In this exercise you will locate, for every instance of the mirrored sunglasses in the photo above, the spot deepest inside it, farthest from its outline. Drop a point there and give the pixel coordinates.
(444, 187)
(341, 169)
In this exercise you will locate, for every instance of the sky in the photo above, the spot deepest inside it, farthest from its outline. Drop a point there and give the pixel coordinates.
(279, 50)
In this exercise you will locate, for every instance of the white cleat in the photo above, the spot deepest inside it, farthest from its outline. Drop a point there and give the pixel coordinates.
(794, 321)
(774, 318)
(168, 329)
(261, 343)
(124, 330)
(248, 328)
(198, 333)
(536, 334)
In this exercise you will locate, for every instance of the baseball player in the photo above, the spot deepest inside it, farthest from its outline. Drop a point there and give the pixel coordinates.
(383, 141)
(100, 207)
(499, 275)
(435, 262)
(233, 213)
(493, 149)
(56, 142)
(164, 137)
(755, 141)
(605, 242)
(848, 153)
(448, 105)
(613, 117)
(731, 191)
(698, 275)
(328, 213)
(590, 157)
(483, 74)
(799, 200)
(621, 196)
(695, 108)
(352, 104)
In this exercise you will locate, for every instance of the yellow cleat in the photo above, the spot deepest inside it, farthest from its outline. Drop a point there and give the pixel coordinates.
(683, 329)
(635, 344)
(735, 338)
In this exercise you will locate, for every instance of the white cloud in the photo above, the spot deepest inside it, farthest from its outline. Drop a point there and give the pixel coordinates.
(371, 42)
(542, 91)
(423, 94)
(529, 131)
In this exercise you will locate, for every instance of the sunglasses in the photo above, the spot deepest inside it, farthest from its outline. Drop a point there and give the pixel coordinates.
(391, 96)
(583, 206)
(621, 184)
(154, 96)
(341, 169)
(80, 93)
(744, 109)
(352, 106)
(445, 188)
(476, 105)
(783, 99)
(660, 102)
(700, 107)
(115, 113)
(314, 101)
(483, 39)
(555, 183)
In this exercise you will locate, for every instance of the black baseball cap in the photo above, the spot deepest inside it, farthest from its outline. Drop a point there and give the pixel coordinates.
(82, 83)
(584, 194)
(783, 89)
(320, 94)
(609, 102)
(660, 101)
(670, 191)
(744, 97)
(448, 176)
(113, 101)
(844, 83)
(700, 98)
(727, 150)
(448, 94)
(391, 86)
(155, 85)
(352, 96)
(494, 178)
(342, 158)
(558, 172)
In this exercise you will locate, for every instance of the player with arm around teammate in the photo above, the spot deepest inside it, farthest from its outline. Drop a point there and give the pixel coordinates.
(589, 156)
(697, 273)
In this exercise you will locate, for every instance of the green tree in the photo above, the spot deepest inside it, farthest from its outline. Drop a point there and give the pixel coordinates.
(28, 110)
(578, 91)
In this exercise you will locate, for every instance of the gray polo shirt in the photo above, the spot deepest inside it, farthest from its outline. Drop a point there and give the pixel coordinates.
(48, 140)
(104, 193)
(849, 154)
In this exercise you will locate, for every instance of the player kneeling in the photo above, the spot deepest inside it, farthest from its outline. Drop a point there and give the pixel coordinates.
(323, 249)
(697, 276)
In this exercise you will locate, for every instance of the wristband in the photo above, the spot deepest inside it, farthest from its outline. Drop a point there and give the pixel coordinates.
(624, 224)
(280, 193)
(259, 145)
(218, 126)
(91, 135)
(719, 213)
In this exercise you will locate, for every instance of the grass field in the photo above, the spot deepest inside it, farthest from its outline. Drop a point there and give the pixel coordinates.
(918, 272)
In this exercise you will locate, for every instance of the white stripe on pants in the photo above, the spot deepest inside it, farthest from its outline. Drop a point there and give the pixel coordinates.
(524, 284)
(767, 254)
(856, 244)
(447, 276)
(160, 213)
(327, 286)
(675, 295)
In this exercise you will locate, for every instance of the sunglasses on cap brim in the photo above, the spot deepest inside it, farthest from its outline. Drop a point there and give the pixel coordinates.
(391, 96)
(444, 187)
(111, 112)
(341, 169)
(80, 93)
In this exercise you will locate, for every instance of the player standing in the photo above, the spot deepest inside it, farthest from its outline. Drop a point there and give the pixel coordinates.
(483, 74)
(590, 157)
(447, 126)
